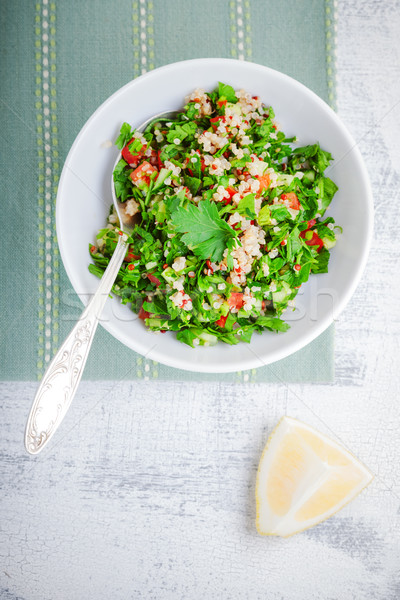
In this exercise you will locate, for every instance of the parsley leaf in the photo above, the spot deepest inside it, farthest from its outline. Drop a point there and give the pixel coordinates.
(320, 265)
(187, 336)
(122, 181)
(206, 234)
(168, 152)
(195, 165)
(280, 213)
(240, 163)
(264, 216)
(227, 92)
(327, 189)
(190, 110)
(318, 159)
(246, 207)
(193, 183)
(125, 135)
(181, 132)
(273, 323)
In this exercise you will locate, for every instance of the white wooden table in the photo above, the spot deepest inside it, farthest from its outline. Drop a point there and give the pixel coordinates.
(148, 489)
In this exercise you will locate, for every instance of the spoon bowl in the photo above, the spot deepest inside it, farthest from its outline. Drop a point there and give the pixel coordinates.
(127, 222)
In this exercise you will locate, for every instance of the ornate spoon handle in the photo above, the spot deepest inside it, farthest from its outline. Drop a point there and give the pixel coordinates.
(63, 375)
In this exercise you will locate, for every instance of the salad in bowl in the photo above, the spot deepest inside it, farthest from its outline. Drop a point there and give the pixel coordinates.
(230, 219)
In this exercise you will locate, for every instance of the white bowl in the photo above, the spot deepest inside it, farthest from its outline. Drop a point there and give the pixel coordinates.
(84, 198)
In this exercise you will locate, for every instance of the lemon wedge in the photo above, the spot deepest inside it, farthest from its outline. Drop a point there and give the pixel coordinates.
(303, 478)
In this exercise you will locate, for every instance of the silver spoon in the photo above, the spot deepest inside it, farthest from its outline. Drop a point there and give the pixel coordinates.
(60, 381)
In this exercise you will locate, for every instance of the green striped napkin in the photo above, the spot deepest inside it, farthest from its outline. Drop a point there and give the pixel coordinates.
(60, 61)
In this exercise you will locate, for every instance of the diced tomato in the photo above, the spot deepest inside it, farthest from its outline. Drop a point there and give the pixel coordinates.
(221, 103)
(130, 267)
(202, 164)
(215, 121)
(129, 257)
(93, 249)
(142, 173)
(208, 263)
(265, 181)
(315, 240)
(311, 223)
(297, 267)
(221, 321)
(143, 314)
(292, 199)
(132, 159)
(231, 191)
(153, 279)
(159, 161)
(236, 300)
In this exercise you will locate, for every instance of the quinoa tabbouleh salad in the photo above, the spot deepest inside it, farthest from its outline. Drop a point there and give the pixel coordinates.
(231, 219)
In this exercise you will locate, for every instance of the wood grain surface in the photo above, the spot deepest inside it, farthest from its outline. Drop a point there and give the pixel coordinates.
(148, 489)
